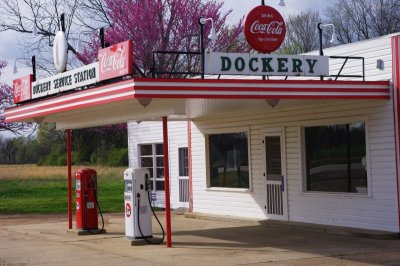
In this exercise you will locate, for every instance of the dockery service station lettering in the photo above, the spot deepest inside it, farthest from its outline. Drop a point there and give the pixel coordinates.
(114, 61)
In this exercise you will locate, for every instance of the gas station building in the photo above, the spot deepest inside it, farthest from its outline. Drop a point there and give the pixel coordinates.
(291, 148)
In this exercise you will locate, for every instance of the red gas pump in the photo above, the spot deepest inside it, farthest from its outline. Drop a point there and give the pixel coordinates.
(86, 201)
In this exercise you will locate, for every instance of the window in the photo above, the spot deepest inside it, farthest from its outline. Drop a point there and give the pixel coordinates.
(183, 162)
(336, 158)
(151, 156)
(228, 160)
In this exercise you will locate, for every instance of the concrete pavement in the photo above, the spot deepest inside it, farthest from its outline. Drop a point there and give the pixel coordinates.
(194, 242)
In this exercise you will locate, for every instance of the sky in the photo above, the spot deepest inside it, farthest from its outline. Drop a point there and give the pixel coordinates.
(9, 49)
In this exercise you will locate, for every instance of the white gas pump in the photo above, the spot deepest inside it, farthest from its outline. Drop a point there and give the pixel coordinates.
(138, 206)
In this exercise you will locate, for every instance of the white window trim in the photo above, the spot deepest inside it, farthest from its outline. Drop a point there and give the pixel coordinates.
(153, 147)
(178, 162)
(207, 133)
(302, 152)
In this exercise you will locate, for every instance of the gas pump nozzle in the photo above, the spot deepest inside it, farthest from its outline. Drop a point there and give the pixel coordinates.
(147, 182)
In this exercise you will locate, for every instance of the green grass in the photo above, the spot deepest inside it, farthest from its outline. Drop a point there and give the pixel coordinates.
(49, 195)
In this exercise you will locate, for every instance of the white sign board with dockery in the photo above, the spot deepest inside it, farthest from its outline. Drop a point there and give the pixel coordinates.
(266, 64)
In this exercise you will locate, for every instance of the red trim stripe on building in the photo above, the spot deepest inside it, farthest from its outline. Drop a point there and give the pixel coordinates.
(201, 89)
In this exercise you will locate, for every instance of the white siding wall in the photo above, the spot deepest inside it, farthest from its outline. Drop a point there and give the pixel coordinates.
(377, 210)
(151, 132)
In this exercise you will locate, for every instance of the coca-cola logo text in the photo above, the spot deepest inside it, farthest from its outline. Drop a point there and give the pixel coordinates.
(274, 27)
(114, 61)
(22, 89)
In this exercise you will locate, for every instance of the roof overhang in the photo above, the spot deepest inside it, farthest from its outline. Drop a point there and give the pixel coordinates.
(130, 99)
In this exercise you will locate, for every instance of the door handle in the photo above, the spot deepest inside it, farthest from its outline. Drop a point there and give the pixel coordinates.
(282, 183)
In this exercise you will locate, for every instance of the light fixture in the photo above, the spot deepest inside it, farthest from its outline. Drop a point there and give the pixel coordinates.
(15, 69)
(213, 34)
(281, 3)
(62, 19)
(100, 31)
(272, 102)
(334, 39)
(380, 64)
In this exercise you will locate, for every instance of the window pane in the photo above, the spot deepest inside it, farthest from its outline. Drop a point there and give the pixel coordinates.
(183, 162)
(160, 172)
(160, 161)
(146, 150)
(159, 149)
(358, 158)
(160, 185)
(334, 158)
(146, 162)
(273, 157)
(228, 160)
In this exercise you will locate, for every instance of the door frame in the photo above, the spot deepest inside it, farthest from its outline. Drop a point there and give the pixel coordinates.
(275, 132)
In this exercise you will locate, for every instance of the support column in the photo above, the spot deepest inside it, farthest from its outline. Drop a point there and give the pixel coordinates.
(190, 166)
(69, 163)
(166, 182)
(396, 111)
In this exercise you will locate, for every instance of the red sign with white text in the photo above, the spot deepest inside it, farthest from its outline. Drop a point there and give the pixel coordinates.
(264, 29)
(22, 88)
(116, 60)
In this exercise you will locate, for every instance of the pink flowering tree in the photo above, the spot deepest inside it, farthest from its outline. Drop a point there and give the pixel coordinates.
(6, 100)
(167, 25)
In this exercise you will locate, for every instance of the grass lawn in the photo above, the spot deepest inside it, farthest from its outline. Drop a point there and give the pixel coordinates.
(34, 189)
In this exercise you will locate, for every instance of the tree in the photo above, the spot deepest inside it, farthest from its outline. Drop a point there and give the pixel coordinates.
(168, 25)
(9, 149)
(357, 20)
(22, 15)
(301, 33)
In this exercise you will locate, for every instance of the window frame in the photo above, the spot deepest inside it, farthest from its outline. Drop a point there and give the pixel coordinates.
(302, 153)
(154, 157)
(179, 161)
(207, 158)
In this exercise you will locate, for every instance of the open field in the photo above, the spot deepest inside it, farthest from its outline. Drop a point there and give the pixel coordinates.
(39, 189)
(29, 171)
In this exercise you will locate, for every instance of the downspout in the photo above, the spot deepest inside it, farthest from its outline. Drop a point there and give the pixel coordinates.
(189, 125)
(396, 102)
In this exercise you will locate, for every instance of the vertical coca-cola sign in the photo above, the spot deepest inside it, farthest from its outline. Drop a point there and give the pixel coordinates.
(116, 60)
(264, 29)
(22, 88)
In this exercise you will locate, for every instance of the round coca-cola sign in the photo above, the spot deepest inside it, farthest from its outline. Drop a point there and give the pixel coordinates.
(264, 29)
